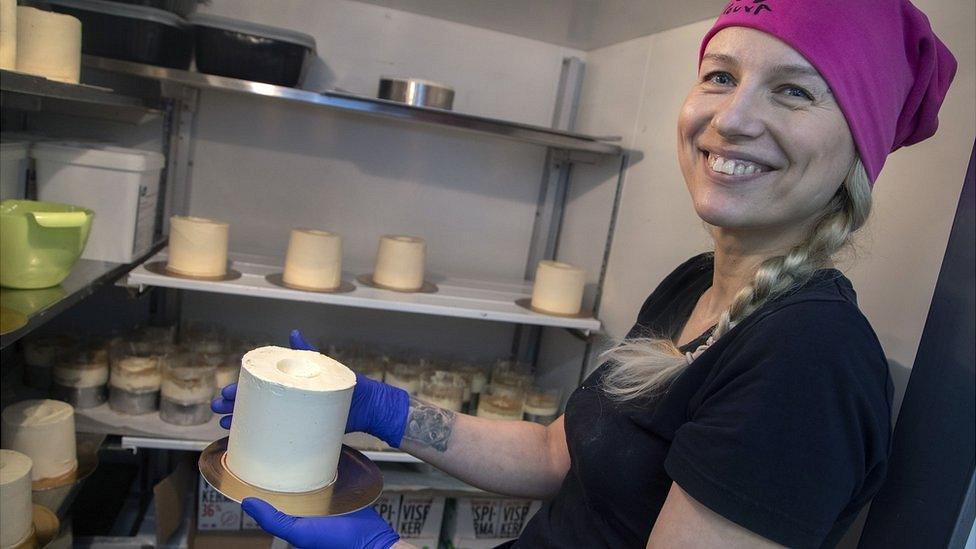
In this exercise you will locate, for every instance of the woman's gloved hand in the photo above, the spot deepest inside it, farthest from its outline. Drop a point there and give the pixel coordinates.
(377, 408)
(362, 529)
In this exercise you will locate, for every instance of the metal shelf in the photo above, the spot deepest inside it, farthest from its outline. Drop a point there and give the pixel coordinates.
(38, 87)
(460, 298)
(147, 431)
(571, 142)
(36, 307)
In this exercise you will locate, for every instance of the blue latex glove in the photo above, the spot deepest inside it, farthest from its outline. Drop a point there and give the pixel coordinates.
(377, 408)
(362, 529)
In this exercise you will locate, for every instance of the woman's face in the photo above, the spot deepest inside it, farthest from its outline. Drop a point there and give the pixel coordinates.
(761, 141)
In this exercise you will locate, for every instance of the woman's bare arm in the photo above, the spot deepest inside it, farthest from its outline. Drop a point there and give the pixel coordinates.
(684, 522)
(515, 458)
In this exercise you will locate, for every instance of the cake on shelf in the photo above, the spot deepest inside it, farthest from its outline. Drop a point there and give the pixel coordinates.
(289, 418)
(400, 262)
(16, 510)
(558, 288)
(314, 260)
(48, 44)
(43, 430)
(198, 246)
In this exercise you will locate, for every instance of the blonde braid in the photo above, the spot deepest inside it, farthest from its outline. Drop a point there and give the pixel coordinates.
(643, 366)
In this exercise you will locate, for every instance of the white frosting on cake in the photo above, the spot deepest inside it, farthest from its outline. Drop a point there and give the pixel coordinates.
(314, 259)
(197, 246)
(541, 407)
(48, 44)
(558, 288)
(81, 374)
(186, 391)
(8, 35)
(16, 511)
(499, 407)
(289, 417)
(43, 430)
(400, 262)
(136, 373)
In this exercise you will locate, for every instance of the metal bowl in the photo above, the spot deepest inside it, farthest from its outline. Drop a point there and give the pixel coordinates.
(416, 92)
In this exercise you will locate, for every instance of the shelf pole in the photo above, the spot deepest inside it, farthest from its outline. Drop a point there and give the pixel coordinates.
(556, 175)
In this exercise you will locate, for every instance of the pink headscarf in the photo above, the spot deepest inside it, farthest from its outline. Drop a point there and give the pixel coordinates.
(885, 66)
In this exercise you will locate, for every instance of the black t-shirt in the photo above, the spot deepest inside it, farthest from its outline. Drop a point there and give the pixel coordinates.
(781, 426)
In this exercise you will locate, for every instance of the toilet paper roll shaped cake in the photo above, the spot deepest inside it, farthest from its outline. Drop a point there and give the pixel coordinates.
(16, 512)
(400, 262)
(80, 377)
(134, 380)
(289, 417)
(197, 247)
(48, 44)
(188, 385)
(558, 288)
(8, 35)
(43, 430)
(314, 260)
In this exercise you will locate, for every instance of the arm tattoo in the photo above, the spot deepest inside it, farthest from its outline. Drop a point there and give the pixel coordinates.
(429, 425)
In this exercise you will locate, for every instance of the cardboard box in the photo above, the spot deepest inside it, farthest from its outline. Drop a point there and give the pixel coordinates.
(416, 516)
(221, 523)
(478, 523)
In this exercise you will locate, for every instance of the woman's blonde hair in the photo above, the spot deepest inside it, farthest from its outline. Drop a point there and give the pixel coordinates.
(643, 366)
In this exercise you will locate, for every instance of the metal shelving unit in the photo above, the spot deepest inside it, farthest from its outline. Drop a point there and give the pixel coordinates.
(12, 82)
(585, 148)
(459, 298)
(149, 432)
(35, 307)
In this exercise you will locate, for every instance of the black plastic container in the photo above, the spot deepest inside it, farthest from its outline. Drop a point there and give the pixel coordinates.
(240, 49)
(179, 7)
(131, 33)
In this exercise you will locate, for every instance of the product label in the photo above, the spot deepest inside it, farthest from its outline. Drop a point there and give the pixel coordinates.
(493, 518)
(484, 513)
(145, 221)
(388, 507)
(514, 515)
(413, 516)
(214, 511)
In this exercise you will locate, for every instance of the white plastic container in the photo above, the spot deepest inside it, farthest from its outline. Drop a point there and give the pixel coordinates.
(120, 185)
(13, 169)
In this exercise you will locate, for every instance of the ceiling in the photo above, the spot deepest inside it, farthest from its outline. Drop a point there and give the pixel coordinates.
(579, 24)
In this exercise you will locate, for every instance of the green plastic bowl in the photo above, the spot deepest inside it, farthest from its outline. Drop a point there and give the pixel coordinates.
(40, 242)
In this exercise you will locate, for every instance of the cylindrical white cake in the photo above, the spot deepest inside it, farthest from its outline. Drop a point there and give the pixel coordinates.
(400, 262)
(558, 288)
(16, 511)
(8, 35)
(289, 417)
(48, 44)
(314, 259)
(43, 430)
(197, 246)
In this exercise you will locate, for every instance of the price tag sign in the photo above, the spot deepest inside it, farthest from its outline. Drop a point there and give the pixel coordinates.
(214, 511)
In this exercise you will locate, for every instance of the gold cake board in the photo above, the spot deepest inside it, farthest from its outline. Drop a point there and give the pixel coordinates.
(160, 268)
(367, 280)
(358, 484)
(278, 279)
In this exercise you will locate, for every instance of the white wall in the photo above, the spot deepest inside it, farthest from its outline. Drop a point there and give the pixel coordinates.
(915, 198)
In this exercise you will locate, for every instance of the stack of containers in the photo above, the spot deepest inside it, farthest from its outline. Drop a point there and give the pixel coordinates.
(120, 185)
